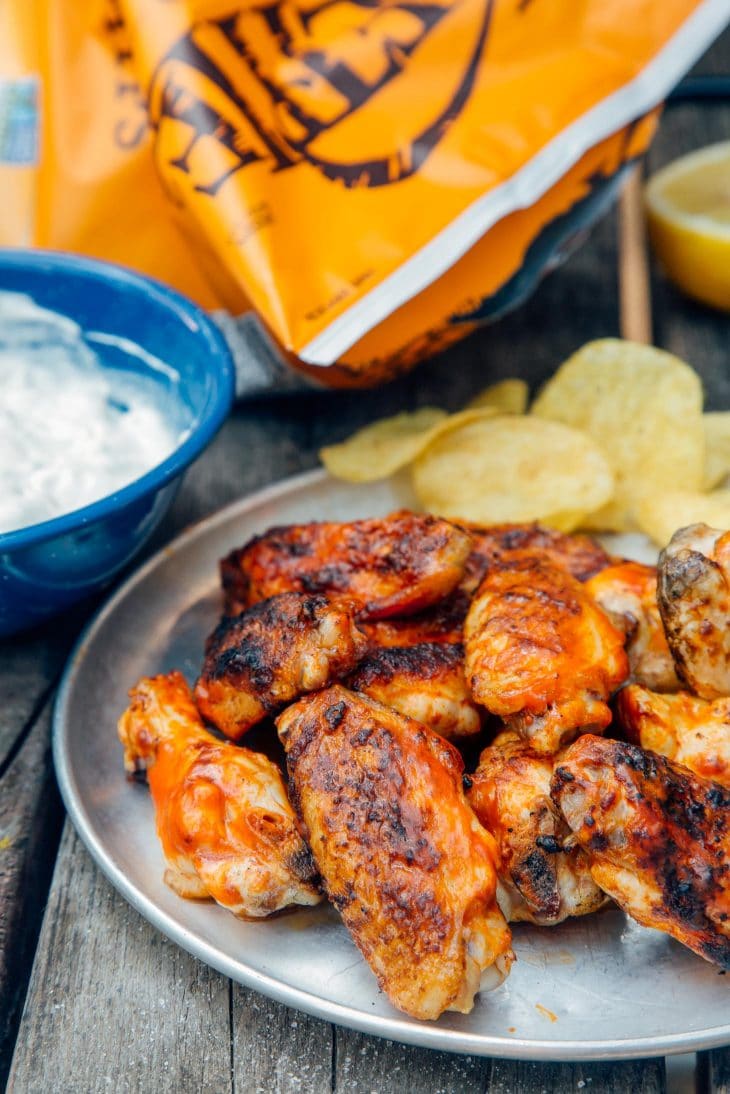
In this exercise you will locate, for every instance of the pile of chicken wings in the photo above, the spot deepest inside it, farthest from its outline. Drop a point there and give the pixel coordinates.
(384, 650)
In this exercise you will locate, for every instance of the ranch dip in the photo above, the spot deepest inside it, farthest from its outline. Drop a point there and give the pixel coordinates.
(71, 431)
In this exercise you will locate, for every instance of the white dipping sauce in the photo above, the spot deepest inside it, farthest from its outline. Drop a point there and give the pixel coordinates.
(71, 431)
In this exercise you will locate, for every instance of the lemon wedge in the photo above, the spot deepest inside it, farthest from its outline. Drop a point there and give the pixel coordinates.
(688, 211)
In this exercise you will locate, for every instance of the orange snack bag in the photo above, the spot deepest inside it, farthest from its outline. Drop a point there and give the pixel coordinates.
(376, 177)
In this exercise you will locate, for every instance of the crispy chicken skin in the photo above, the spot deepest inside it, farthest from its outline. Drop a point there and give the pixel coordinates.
(397, 565)
(541, 654)
(578, 555)
(279, 649)
(225, 823)
(401, 854)
(658, 839)
(424, 682)
(444, 622)
(691, 731)
(510, 794)
(694, 599)
(627, 592)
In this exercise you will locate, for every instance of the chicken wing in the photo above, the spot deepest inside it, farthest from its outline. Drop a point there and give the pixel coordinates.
(424, 682)
(539, 881)
(580, 556)
(657, 837)
(402, 856)
(282, 647)
(225, 823)
(694, 600)
(541, 654)
(627, 594)
(397, 565)
(691, 731)
(444, 622)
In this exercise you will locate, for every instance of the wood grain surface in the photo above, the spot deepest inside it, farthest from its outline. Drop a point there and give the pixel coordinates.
(110, 1005)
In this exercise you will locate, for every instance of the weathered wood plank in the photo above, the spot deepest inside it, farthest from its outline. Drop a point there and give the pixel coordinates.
(112, 1005)
(277, 1050)
(713, 1072)
(365, 1064)
(29, 665)
(31, 817)
(637, 1076)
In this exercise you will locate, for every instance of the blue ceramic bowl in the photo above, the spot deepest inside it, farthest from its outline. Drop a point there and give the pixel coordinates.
(129, 321)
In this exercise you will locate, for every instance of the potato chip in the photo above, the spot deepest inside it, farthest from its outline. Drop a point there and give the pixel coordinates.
(660, 515)
(717, 448)
(643, 408)
(508, 468)
(383, 447)
(508, 396)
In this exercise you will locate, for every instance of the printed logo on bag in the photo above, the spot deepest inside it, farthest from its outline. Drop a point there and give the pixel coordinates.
(329, 83)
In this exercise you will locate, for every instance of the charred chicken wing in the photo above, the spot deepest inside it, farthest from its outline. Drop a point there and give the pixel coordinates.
(226, 827)
(694, 600)
(424, 682)
(279, 649)
(397, 565)
(541, 654)
(401, 854)
(691, 731)
(442, 623)
(539, 881)
(627, 592)
(657, 837)
(580, 556)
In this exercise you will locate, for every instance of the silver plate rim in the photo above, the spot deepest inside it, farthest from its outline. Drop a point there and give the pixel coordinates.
(425, 1035)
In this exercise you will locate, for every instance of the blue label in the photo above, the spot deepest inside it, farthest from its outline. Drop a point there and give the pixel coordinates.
(19, 121)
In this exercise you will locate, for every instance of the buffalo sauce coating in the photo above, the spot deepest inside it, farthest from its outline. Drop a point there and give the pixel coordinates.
(271, 653)
(691, 731)
(543, 881)
(402, 856)
(578, 555)
(397, 565)
(541, 654)
(627, 592)
(425, 682)
(657, 837)
(223, 818)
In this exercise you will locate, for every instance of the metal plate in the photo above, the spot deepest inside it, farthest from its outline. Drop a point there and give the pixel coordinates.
(594, 988)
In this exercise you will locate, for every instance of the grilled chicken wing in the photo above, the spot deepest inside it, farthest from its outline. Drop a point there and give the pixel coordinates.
(226, 827)
(627, 593)
(691, 731)
(541, 654)
(580, 556)
(694, 600)
(442, 623)
(539, 881)
(272, 653)
(397, 565)
(402, 855)
(658, 839)
(424, 682)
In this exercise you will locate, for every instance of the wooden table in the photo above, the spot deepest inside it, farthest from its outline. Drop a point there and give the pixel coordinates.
(92, 998)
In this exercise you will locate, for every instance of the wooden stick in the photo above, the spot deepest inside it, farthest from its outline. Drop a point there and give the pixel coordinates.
(633, 273)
